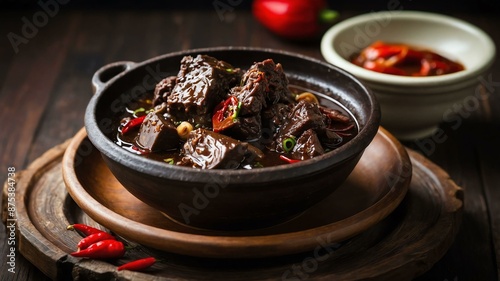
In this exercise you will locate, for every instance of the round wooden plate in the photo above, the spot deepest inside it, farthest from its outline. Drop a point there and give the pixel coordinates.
(374, 189)
(400, 247)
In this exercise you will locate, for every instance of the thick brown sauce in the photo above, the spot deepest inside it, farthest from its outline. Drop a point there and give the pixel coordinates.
(271, 158)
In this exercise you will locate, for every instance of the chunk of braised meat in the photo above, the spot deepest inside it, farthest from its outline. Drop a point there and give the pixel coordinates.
(274, 116)
(304, 115)
(251, 94)
(209, 150)
(307, 146)
(163, 89)
(202, 83)
(157, 133)
(277, 82)
(330, 139)
(245, 128)
(338, 122)
(264, 84)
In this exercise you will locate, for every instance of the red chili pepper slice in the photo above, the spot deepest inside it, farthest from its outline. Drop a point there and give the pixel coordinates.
(425, 68)
(225, 114)
(133, 123)
(288, 160)
(139, 150)
(380, 50)
(93, 238)
(371, 65)
(105, 249)
(138, 264)
(83, 228)
(439, 67)
(398, 59)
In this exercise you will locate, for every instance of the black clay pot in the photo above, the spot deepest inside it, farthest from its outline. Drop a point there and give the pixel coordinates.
(229, 199)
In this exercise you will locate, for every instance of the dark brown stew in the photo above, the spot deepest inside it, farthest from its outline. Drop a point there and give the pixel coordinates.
(214, 116)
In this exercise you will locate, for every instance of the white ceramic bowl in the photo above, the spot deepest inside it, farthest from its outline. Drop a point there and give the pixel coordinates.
(413, 107)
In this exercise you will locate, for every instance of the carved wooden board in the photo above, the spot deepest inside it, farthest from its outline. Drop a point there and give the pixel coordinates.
(401, 247)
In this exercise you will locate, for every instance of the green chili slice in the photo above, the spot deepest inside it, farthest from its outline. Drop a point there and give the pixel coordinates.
(169, 160)
(237, 111)
(258, 165)
(288, 144)
(141, 109)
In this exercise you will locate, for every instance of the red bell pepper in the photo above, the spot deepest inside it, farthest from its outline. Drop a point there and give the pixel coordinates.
(294, 19)
(225, 114)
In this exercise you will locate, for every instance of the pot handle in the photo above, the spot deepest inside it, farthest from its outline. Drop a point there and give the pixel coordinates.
(104, 74)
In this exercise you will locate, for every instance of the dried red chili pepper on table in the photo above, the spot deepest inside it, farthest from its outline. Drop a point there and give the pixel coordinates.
(138, 264)
(105, 249)
(94, 238)
(83, 228)
(294, 19)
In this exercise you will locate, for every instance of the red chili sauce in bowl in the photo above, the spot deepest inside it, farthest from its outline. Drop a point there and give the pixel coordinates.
(404, 60)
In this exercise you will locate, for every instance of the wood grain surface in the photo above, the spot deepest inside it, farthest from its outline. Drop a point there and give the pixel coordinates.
(45, 86)
(402, 246)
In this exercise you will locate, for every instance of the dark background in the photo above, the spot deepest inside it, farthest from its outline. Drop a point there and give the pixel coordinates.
(471, 6)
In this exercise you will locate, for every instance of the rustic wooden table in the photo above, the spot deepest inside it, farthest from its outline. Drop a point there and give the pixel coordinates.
(47, 61)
